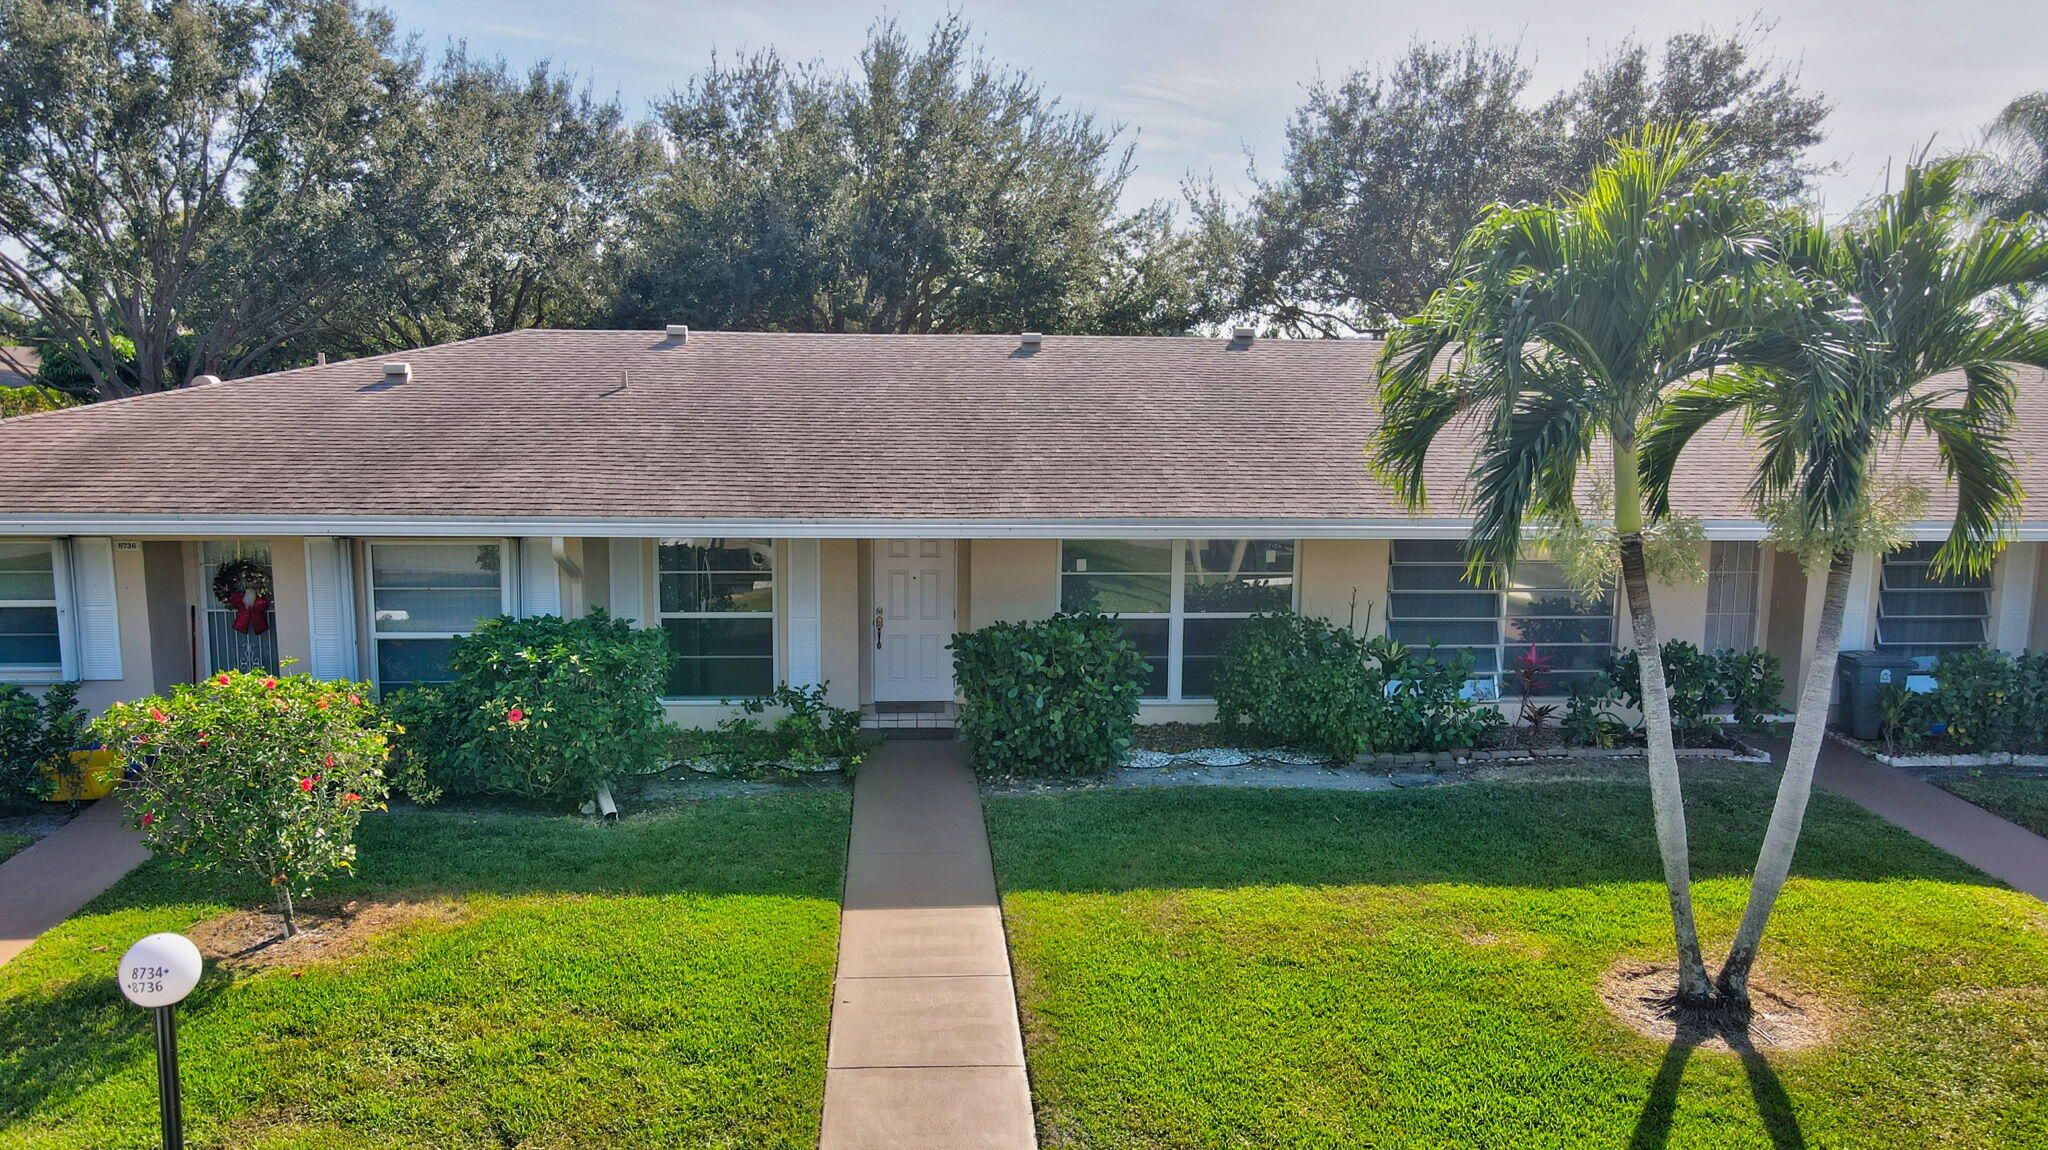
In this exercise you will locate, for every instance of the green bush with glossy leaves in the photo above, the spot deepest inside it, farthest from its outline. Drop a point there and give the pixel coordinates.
(1052, 697)
(542, 708)
(1288, 679)
(38, 732)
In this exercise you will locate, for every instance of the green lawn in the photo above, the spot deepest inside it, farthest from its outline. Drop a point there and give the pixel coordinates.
(1232, 968)
(663, 983)
(2024, 801)
(12, 843)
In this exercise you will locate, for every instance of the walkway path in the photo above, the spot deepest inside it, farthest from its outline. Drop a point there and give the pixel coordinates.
(926, 1053)
(43, 884)
(2001, 849)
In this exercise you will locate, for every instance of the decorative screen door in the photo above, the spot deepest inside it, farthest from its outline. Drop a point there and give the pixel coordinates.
(227, 649)
(912, 620)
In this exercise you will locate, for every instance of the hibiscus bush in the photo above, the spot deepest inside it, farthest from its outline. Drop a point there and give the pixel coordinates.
(258, 775)
(542, 708)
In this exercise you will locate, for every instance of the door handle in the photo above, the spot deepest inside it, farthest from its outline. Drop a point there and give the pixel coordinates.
(878, 628)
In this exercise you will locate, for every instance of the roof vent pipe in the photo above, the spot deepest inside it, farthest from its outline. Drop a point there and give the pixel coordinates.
(397, 372)
(1244, 333)
(1033, 339)
(680, 332)
(203, 380)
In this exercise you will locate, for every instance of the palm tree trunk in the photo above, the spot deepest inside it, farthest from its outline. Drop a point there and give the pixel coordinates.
(1666, 799)
(1788, 815)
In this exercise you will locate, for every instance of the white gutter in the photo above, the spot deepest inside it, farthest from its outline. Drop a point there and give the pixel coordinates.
(195, 526)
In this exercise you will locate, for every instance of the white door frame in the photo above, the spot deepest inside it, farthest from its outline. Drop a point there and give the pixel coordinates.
(912, 620)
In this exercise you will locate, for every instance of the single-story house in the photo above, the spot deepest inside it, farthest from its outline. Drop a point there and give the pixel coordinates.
(831, 508)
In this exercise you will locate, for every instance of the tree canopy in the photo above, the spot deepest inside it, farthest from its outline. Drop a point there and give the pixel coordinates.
(1387, 169)
(928, 191)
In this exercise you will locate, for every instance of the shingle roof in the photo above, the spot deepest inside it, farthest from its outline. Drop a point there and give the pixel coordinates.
(740, 425)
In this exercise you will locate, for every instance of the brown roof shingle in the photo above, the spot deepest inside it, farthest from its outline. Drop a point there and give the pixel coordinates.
(732, 425)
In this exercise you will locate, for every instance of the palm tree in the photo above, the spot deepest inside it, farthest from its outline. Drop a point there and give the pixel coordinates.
(1898, 342)
(1564, 327)
(2011, 180)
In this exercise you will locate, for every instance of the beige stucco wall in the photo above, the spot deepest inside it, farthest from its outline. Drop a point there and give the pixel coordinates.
(1013, 580)
(1345, 581)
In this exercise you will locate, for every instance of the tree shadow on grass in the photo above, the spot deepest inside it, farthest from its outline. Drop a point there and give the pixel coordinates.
(1773, 1104)
(58, 1044)
(789, 846)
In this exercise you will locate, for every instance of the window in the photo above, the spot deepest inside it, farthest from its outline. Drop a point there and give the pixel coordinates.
(1179, 600)
(424, 596)
(226, 648)
(1921, 616)
(718, 611)
(1734, 582)
(28, 610)
(1429, 600)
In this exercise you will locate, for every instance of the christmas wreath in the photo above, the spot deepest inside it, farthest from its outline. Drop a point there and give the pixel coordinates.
(245, 586)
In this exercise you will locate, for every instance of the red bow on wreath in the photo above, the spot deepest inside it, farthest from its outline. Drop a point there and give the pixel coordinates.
(253, 616)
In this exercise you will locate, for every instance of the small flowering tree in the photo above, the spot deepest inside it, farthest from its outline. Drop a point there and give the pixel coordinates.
(256, 774)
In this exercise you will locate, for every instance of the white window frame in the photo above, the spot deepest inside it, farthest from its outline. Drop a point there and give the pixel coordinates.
(1503, 648)
(1895, 559)
(774, 614)
(508, 589)
(1176, 613)
(60, 604)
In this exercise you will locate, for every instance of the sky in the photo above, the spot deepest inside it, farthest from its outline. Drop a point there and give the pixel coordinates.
(1198, 84)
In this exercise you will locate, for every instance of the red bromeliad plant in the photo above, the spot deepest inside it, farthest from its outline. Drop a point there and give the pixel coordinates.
(1525, 672)
(255, 774)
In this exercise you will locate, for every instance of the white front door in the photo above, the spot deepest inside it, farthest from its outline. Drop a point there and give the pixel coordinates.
(913, 620)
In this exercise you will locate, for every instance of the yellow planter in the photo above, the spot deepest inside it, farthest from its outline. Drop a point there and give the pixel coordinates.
(96, 772)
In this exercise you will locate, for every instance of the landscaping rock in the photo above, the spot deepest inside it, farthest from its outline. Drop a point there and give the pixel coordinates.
(1415, 780)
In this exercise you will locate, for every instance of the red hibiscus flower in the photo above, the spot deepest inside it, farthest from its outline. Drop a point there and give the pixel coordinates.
(306, 785)
(515, 715)
(223, 680)
(323, 704)
(269, 683)
(330, 762)
(158, 715)
(352, 797)
(148, 819)
(355, 700)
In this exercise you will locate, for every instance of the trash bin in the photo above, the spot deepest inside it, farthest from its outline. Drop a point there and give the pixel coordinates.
(1859, 675)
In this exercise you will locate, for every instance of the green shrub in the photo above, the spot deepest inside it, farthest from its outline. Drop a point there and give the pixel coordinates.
(1586, 721)
(259, 775)
(540, 708)
(1754, 684)
(38, 733)
(810, 734)
(1292, 680)
(1052, 697)
(1692, 677)
(1971, 699)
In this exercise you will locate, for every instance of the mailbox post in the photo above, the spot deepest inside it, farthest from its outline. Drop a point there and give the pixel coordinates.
(157, 973)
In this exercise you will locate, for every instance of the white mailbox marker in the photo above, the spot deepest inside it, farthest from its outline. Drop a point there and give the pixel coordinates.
(158, 973)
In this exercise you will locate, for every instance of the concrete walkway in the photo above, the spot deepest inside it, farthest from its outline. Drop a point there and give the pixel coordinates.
(926, 1053)
(44, 884)
(2001, 849)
